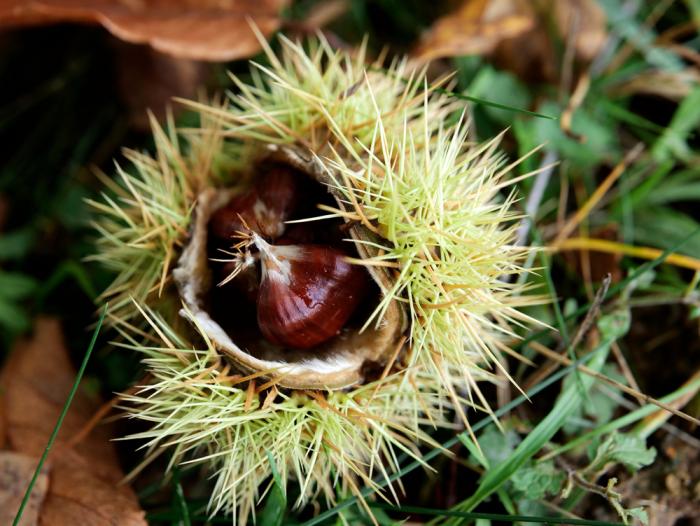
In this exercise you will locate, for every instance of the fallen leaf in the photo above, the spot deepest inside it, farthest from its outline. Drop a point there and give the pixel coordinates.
(324, 13)
(16, 471)
(582, 23)
(216, 30)
(84, 480)
(476, 28)
(672, 85)
(518, 35)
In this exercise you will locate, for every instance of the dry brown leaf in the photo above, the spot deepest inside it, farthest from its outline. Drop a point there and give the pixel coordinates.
(324, 13)
(16, 471)
(582, 23)
(216, 30)
(673, 85)
(476, 28)
(515, 34)
(83, 480)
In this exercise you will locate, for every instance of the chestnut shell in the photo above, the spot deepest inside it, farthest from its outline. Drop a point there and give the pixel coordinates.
(338, 363)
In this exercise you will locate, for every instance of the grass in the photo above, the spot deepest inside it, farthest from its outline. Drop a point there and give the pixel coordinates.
(61, 416)
(651, 210)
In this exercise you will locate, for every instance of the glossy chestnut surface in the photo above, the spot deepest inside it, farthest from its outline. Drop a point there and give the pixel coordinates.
(307, 293)
(264, 208)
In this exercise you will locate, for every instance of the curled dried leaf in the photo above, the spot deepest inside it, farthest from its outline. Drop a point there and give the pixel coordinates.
(518, 35)
(216, 30)
(84, 480)
(16, 472)
(476, 28)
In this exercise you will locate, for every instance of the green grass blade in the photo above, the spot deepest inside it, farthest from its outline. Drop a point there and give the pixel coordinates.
(618, 287)
(623, 421)
(612, 291)
(479, 100)
(673, 141)
(568, 402)
(183, 518)
(486, 102)
(59, 423)
(531, 393)
(273, 512)
(492, 516)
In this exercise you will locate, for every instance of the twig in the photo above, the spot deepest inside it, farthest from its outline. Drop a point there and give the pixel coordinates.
(624, 366)
(592, 312)
(618, 385)
(583, 329)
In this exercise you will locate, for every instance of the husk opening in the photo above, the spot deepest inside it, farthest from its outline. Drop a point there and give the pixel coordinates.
(342, 361)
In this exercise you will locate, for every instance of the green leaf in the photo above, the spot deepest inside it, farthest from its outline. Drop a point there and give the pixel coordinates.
(615, 325)
(16, 286)
(627, 449)
(599, 405)
(638, 513)
(538, 480)
(601, 142)
(16, 244)
(496, 446)
(276, 503)
(13, 318)
(673, 142)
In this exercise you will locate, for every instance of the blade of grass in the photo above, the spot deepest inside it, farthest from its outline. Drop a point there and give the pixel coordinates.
(622, 421)
(568, 402)
(274, 511)
(452, 441)
(673, 142)
(180, 501)
(615, 289)
(492, 516)
(59, 422)
(612, 291)
(477, 100)
(551, 289)
(486, 102)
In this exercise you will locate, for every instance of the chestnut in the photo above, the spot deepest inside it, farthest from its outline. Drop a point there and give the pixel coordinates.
(263, 208)
(307, 293)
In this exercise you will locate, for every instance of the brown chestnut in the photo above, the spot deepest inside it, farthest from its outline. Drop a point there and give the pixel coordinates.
(263, 208)
(307, 293)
